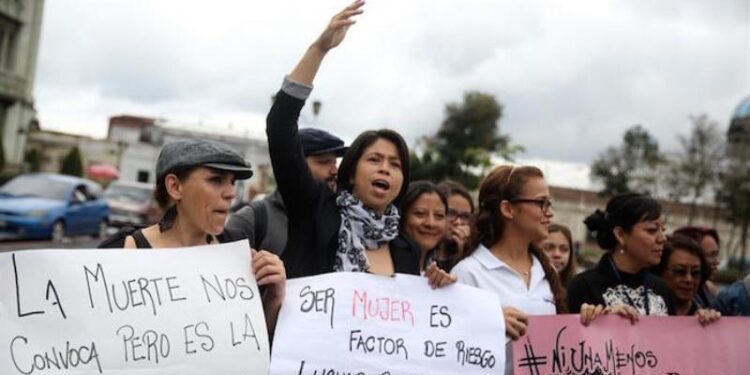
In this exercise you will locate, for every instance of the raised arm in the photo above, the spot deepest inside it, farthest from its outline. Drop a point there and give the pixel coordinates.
(305, 71)
(297, 186)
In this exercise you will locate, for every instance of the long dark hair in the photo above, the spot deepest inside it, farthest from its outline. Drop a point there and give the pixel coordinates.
(570, 270)
(162, 198)
(415, 190)
(348, 166)
(450, 187)
(624, 211)
(501, 184)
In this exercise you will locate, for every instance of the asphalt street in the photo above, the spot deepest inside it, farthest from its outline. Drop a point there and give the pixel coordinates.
(80, 242)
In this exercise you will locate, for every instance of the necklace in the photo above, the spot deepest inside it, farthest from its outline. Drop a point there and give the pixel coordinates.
(520, 270)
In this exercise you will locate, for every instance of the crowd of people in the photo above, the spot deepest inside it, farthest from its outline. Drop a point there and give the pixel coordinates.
(364, 214)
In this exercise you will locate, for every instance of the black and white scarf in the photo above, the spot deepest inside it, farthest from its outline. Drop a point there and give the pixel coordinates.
(362, 228)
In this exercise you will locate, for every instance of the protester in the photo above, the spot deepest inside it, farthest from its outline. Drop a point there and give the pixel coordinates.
(558, 247)
(423, 209)
(631, 231)
(514, 212)
(734, 300)
(684, 268)
(355, 229)
(264, 222)
(708, 238)
(460, 221)
(195, 185)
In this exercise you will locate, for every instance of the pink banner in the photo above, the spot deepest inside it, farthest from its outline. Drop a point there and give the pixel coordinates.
(560, 345)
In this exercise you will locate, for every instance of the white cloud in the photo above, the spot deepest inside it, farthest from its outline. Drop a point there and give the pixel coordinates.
(571, 75)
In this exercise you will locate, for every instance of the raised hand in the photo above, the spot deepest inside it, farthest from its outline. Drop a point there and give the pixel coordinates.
(306, 69)
(336, 30)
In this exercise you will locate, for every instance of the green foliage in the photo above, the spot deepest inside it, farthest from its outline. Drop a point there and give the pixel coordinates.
(631, 167)
(72, 165)
(734, 198)
(34, 160)
(463, 146)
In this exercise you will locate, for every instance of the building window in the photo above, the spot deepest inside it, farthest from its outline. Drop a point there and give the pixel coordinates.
(142, 176)
(8, 32)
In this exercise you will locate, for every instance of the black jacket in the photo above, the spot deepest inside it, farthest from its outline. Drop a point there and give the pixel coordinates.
(602, 286)
(314, 218)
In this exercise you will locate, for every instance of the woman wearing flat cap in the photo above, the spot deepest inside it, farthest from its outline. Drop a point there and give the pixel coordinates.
(195, 185)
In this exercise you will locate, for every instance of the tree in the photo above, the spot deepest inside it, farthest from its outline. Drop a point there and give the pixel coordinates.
(734, 198)
(72, 165)
(693, 171)
(631, 167)
(463, 146)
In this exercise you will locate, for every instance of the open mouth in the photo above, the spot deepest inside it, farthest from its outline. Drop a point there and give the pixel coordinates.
(381, 185)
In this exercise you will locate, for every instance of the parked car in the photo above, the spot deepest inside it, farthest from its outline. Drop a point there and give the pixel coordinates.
(51, 206)
(131, 203)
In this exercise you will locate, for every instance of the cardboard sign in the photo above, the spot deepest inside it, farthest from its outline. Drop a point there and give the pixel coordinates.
(356, 323)
(166, 311)
(557, 345)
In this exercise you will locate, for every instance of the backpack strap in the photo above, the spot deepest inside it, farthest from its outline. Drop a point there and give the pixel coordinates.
(260, 213)
(117, 241)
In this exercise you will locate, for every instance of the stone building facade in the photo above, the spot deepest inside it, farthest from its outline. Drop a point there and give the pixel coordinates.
(20, 28)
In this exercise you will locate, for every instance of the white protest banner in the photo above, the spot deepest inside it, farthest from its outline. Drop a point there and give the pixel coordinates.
(356, 323)
(168, 311)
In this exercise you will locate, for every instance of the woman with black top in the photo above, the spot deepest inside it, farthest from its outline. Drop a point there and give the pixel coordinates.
(356, 228)
(631, 231)
(684, 269)
(195, 186)
(424, 221)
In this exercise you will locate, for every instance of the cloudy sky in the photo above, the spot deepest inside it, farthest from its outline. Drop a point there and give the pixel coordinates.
(572, 75)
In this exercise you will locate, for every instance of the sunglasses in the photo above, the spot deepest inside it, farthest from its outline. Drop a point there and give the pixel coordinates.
(683, 272)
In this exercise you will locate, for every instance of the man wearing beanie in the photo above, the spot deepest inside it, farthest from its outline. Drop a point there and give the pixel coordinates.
(264, 222)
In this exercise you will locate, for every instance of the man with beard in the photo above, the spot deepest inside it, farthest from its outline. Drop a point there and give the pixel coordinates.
(264, 222)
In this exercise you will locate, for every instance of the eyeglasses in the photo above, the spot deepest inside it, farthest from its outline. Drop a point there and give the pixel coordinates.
(455, 215)
(544, 203)
(683, 272)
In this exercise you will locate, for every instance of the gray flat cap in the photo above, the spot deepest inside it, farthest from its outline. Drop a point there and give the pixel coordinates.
(201, 152)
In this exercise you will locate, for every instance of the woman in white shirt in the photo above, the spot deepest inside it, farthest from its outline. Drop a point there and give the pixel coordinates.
(514, 212)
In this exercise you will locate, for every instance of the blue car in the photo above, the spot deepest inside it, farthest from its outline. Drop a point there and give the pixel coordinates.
(51, 206)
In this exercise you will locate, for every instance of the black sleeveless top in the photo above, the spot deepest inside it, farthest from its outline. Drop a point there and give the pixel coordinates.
(117, 240)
